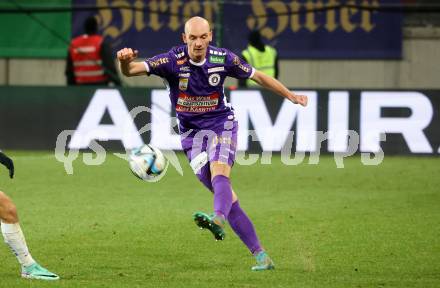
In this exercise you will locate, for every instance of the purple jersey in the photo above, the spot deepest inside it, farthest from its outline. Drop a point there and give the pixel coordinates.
(196, 89)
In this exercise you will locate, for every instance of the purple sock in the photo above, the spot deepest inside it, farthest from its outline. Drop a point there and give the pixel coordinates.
(243, 227)
(222, 195)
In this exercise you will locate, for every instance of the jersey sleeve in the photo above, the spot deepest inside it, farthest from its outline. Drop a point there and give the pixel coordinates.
(161, 65)
(237, 67)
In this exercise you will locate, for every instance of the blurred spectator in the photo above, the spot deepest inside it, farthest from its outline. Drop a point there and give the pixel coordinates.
(260, 56)
(90, 59)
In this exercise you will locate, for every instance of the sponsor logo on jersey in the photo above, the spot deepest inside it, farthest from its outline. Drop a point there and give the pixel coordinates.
(244, 68)
(197, 104)
(184, 75)
(182, 61)
(214, 79)
(183, 84)
(158, 62)
(217, 59)
(217, 53)
(216, 69)
(184, 68)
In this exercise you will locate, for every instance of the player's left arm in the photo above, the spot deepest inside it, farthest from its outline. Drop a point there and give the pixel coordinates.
(276, 86)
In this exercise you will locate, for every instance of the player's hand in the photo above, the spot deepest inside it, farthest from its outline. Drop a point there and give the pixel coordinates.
(300, 99)
(127, 55)
(5, 160)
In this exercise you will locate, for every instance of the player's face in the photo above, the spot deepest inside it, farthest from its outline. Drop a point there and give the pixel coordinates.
(197, 39)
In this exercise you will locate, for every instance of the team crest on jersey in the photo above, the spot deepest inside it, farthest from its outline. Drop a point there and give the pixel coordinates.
(183, 84)
(217, 59)
(214, 79)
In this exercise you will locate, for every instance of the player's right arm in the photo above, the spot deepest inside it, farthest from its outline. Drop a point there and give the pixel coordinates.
(128, 66)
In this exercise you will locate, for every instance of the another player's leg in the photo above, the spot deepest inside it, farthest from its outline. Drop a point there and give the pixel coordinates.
(14, 238)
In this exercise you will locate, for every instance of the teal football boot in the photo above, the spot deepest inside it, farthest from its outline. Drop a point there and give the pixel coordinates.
(263, 262)
(213, 223)
(35, 271)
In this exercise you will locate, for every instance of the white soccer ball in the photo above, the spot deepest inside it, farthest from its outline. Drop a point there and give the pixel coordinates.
(148, 163)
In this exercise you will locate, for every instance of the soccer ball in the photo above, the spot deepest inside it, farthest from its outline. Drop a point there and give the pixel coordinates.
(147, 163)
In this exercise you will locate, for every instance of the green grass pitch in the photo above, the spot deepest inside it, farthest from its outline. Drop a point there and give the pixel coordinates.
(361, 226)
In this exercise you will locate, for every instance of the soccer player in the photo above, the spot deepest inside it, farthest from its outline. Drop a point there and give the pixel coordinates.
(14, 237)
(194, 74)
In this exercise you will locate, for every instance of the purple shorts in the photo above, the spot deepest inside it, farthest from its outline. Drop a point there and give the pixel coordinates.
(220, 144)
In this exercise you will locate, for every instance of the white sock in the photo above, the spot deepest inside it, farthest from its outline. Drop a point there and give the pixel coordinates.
(14, 238)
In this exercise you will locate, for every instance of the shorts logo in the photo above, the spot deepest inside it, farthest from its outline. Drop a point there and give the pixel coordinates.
(221, 140)
(217, 59)
(183, 84)
(214, 79)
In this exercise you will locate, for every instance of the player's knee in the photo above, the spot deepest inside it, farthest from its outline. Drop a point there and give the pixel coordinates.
(11, 215)
(234, 197)
(8, 210)
(219, 168)
(4, 201)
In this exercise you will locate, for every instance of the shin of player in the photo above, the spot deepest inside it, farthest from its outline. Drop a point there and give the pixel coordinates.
(12, 232)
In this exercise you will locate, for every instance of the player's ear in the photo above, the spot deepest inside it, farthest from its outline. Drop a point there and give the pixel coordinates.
(184, 38)
(210, 36)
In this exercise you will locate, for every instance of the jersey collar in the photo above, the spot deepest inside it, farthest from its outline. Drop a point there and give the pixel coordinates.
(197, 63)
(191, 61)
